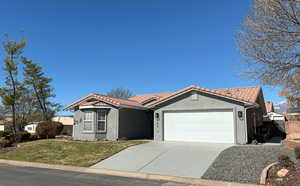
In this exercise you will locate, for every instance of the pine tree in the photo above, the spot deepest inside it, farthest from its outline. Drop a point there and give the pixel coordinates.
(43, 91)
(10, 93)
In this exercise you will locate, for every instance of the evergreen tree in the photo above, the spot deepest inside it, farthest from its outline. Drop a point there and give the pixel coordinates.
(43, 91)
(10, 92)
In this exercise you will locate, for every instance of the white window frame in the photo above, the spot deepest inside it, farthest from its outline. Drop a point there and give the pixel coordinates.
(101, 120)
(90, 121)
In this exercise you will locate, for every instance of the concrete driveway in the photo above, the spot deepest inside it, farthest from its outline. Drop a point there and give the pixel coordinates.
(184, 159)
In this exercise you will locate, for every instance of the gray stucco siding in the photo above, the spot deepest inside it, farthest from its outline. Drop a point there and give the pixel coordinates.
(203, 102)
(135, 124)
(111, 132)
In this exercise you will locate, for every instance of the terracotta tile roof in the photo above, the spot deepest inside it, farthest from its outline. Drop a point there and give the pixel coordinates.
(146, 98)
(246, 94)
(105, 99)
(269, 106)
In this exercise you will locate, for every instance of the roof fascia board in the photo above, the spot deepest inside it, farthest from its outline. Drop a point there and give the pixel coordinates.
(93, 106)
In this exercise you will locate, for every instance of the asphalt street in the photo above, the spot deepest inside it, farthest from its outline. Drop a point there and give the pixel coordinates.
(27, 176)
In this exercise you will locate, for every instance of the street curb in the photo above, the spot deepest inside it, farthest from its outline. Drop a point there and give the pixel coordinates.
(138, 175)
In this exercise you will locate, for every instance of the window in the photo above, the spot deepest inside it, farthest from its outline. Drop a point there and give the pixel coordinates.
(88, 121)
(101, 120)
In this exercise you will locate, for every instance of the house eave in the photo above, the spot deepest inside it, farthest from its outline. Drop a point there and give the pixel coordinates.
(93, 107)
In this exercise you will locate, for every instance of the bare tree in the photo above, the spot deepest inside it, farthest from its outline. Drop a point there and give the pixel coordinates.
(269, 40)
(120, 93)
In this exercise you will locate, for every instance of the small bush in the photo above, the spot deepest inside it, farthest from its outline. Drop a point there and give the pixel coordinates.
(285, 161)
(33, 137)
(48, 129)
(297, 153)
(18, 137)
(21, 136)
(5, 143)
(3, 134)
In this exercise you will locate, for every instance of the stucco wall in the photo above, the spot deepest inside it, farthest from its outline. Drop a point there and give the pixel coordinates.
(204, 102)
(135, 124)
(1, 127)
(111, 126)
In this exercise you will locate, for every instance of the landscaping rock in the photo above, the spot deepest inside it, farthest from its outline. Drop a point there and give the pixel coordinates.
(282, 172)
(245, 163)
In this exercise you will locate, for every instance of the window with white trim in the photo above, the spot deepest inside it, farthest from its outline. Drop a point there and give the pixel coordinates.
(101, 120)
(88, 121)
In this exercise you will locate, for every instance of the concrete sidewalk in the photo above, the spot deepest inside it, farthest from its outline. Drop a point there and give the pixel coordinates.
(184, 159)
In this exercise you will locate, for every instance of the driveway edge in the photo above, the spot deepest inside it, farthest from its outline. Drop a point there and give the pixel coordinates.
(128, 174)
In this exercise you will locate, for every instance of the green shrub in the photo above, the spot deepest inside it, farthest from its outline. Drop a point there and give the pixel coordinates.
(21, 136)
(4, 142)
(33, 137)
(297, 153)
(285, 161)
(3, 134)
(48, 129)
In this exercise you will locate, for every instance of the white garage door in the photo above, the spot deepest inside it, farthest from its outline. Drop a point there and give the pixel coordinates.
(208, 126)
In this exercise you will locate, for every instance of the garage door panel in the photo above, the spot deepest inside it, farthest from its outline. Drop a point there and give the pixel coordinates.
(213, 126)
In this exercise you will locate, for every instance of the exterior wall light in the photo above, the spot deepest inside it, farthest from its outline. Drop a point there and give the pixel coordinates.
(240, 114)
(157, 116)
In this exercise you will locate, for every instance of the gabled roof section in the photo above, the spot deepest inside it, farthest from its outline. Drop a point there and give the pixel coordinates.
(101, 100)
(247, 94)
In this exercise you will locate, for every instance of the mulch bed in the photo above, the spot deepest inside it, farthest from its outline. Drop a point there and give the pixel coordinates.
(292, 178)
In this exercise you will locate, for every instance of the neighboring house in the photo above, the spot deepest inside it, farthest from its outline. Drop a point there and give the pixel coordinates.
(280, 107)
(31, 128)
(7, 118)
(230, 115)
(1, 125)
(277, 119)
(67, 122)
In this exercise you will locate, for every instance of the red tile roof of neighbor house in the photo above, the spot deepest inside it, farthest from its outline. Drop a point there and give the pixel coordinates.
(245, 94)
(269, 106)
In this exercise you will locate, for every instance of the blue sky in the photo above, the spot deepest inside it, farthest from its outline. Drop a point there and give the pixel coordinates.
(148, 46)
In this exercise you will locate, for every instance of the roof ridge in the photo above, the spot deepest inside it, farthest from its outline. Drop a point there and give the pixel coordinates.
(152, 94)
(237, 87)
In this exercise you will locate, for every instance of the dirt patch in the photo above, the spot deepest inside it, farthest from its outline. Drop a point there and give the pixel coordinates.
(8, 149)
(292, 178)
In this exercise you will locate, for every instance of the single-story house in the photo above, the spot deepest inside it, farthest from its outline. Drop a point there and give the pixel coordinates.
(277, 119)
(31, 127)
(1, 125)
(230, 115)
(67, 122)
(7, 118)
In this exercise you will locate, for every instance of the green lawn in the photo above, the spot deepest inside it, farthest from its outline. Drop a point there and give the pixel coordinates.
(72, 153)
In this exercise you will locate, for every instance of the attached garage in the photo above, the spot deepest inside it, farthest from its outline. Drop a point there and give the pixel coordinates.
(202, 126)
(201, 115)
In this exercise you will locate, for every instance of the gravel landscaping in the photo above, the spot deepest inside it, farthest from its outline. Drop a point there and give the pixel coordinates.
(244, 163)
